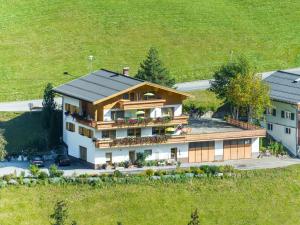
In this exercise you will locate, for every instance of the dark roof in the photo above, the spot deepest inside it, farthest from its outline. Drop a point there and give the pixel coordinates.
(284, 85)
(97, 85)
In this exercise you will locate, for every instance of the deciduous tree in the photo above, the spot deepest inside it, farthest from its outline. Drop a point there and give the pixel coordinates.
(153, 70)
(248, 92)
(225, 73)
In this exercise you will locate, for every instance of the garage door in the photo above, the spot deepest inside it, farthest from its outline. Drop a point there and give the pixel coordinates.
(237, 149)
(201, 151)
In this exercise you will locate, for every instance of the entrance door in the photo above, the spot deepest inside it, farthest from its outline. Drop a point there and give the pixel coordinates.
(132, 156)
(83, 153)
(174, 153)
(108, 158)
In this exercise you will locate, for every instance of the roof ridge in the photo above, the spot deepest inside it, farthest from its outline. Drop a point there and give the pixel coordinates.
(133, 78)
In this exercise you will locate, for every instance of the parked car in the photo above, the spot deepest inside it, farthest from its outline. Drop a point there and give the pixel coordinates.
(63, 160)
(38, 161)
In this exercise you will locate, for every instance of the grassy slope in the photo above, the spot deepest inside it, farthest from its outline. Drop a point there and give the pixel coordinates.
(269, 197)
(41, 39)
(20, 128)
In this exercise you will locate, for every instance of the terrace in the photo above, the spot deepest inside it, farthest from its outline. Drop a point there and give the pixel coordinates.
(196, 130)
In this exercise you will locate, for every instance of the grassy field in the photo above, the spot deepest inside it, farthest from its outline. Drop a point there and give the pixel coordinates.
(268, 197)
(41, 39)
(20, 128)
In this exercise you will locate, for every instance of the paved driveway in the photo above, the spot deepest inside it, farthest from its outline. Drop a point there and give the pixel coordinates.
(77, 168)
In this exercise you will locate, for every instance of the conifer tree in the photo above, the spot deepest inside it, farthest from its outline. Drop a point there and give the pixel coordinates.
(153, 70)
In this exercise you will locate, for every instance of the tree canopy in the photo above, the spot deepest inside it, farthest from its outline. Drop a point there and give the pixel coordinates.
(153, 70)
(225, 73)
(249, 92)
(49, 105)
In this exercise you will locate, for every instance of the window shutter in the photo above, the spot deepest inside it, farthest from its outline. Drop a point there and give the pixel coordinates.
(292, 116)
(282, 114)
(274, 112)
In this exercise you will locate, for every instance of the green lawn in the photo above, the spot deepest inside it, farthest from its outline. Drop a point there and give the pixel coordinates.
(268, 197)
(20, 128)
(41, 39)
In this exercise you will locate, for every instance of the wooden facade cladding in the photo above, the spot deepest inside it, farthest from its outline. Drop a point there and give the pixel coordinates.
(191, 138)
(106, 125)
(145, 104)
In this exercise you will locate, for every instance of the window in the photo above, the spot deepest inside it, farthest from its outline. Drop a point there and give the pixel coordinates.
(126, 96)
(70, 126)
(268, 111)
(288, 115)
(274, 112)
(117, 114)
(131, 96)
(82, 153)
(169, 111)
(288, 130)
(135, 132)
(148, 152)
(108, 157)
(85, 132)
(71, 108)
(174, 153)
(270, 126)
(158, 130)
(111, 134)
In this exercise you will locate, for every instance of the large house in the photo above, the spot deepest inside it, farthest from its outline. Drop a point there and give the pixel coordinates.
(110, 117)
(282, 121)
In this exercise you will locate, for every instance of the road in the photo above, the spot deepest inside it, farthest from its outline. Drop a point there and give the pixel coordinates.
(77, 168)
(24, 106)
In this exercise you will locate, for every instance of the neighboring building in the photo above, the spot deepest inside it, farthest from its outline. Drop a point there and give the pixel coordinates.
(109, 117)
(282, 121)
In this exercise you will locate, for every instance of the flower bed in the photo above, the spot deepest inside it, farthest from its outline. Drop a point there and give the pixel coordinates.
(178, 175)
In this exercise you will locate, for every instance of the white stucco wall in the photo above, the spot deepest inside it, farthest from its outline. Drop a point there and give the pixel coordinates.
(107, 115)
(158, 152)
(71, 101)
(255, 145)
(74, 140)
(279, 125)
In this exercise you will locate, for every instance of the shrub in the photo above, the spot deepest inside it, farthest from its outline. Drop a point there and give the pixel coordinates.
(34, 170)
(117, 173)
(149, 172)
(8, 177)
(43, 175)
(226, 169)
(55, 172)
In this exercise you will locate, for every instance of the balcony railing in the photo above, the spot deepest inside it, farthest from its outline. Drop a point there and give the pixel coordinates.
(143, 104)
(139, 141)
(241, 124)
(142, 122)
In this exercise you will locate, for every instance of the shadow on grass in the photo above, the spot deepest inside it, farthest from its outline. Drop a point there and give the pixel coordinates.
(20, 128)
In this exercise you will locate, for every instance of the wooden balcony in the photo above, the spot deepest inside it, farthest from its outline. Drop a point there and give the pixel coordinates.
(106, 125)
(189, 137)
(140, 141)
(144, 104)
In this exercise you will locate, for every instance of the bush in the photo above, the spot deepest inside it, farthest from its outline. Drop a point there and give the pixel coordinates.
(8, 177)
(43, 175)
(226, 169)
(149, 172)
(117, 173)
(55, 172)
(34, 170)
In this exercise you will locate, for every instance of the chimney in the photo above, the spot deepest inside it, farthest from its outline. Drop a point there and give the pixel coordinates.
(126, 71)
